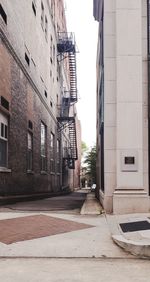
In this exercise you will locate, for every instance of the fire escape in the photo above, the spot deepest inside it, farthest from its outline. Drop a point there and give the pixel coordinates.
(66, 48)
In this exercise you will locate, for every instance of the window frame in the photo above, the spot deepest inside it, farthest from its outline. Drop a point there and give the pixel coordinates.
(4, 122)
(43, 155)
(29, 152)
(52, 152)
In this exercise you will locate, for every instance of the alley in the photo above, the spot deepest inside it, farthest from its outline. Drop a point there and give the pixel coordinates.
(71, 203)
(48, 235)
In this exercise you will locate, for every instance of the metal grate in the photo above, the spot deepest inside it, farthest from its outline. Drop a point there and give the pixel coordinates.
(135, 226)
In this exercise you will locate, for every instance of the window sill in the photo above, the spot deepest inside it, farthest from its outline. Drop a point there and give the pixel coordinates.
(30, 172)
(43, 172)
(53, 173)
(3, 169)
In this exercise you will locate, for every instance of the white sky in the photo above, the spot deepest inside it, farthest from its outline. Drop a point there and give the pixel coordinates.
(80, 20)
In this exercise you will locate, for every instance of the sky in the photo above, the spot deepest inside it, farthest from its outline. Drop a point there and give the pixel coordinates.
(80, 20)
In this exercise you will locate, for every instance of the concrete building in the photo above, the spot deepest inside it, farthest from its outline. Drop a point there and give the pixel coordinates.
(123, 125)
(38, 91)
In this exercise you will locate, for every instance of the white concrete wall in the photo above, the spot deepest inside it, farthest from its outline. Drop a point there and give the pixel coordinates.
(109, 102)
(129, 90)
(125, 104)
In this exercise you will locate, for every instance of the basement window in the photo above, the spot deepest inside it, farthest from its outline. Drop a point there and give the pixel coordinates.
(27, 59)
(3, 14)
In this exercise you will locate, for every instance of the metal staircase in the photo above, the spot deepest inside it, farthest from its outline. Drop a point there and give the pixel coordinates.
(66, 48)
(73, 77)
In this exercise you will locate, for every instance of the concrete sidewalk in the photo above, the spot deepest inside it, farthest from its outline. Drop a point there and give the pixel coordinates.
(99, 241)
(91, 205)
(93, 242)
(135, 242)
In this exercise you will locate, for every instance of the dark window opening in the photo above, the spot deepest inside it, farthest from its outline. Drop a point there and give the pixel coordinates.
(51, 104)
(27, 59)
(30, 124)
(34, 8)
(4, 103)
(45, 93)
(3, 153)
(3, 14)
(2, 130)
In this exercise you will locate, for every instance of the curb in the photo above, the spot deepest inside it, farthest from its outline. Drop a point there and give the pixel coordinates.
(138, 248)
(91, 206)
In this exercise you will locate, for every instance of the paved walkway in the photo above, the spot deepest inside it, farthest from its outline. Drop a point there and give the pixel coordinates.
(98, 241)
(78, 255)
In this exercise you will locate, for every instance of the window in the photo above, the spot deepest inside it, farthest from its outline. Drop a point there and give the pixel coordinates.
(58, 156)
(42, 15)
(43, 147)
(46, 27)
(3, 140)
(3, 14)
(51, 49)
(30, 124)
(27, 59)
(34, 6)
(54, 53)
(52, 152)
(4, 103)
(30, 152)
(45, 93)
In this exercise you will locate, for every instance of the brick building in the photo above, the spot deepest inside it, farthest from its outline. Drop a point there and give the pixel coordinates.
(38, 91)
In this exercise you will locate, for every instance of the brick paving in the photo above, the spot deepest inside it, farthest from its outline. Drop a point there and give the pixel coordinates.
(32, 227)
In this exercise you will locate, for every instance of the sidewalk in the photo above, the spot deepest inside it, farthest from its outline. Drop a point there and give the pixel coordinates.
(91, 205)
(70, 235)
(58, 234)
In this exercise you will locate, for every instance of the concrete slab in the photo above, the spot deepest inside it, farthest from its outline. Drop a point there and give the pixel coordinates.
(74, 270)
(137, 242)
(92, 242)
(91, 205)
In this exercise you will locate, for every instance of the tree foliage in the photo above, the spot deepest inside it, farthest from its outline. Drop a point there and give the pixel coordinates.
(90, 161)
(84, 148)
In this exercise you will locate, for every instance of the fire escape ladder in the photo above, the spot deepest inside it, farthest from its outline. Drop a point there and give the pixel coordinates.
(66, 47)
(73, 141)
(73, 77)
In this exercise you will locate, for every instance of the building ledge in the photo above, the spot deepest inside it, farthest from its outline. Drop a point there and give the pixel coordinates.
(3, 169)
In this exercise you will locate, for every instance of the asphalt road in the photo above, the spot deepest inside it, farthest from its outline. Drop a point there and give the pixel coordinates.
(68, 203)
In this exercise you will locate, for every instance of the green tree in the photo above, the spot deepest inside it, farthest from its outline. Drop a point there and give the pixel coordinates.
(90, 161)
(84, 148)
